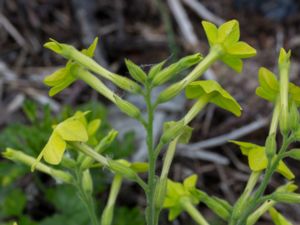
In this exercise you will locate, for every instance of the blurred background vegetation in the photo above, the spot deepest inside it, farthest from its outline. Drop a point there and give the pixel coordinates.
(147, 32)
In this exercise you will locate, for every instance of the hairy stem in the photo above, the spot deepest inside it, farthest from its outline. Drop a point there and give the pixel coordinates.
(151, 211)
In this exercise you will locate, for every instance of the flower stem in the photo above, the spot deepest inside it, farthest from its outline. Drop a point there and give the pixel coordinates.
(151, 217)
(108, 212)
(193, 212)
(240, 204)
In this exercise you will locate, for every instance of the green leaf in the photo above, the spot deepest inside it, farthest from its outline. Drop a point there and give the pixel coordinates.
(241, 50)
(211, 32)
(216, 93)
(14, 203)
(233, 62)
(277, 218)
(229, 32)
(135, 71)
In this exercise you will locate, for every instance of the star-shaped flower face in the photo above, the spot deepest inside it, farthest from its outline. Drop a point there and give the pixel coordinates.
(75, 128)
(269, 87)
(176, 192)
(227, 38)
(258, 160)
(64, 77)
(216, 94)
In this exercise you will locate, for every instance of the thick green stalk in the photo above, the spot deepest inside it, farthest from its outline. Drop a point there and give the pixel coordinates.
(151, 216)
(193, 212)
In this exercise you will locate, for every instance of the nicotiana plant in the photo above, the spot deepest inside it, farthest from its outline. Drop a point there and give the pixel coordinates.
(75, 135)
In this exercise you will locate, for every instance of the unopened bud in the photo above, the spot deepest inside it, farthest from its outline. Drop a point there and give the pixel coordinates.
(271, 146)
(135, 71)
(125, 83)
(216, 207)
(127, 107)
(171, 92)
(122, 170)
(286, 197)
(184, 63)
(87, 182)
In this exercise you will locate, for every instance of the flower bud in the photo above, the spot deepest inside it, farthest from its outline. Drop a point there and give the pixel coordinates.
(127, 107)
(122, 170)
(216, 207)
(176, 68)
(170, 92)
(87, 182)
(135, 71)
(125, 83)
(271, 146)
(87, 161)
(286, 197)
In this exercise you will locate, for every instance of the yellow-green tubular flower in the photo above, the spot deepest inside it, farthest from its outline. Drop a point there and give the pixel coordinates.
(71, 129)
(85, 60)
